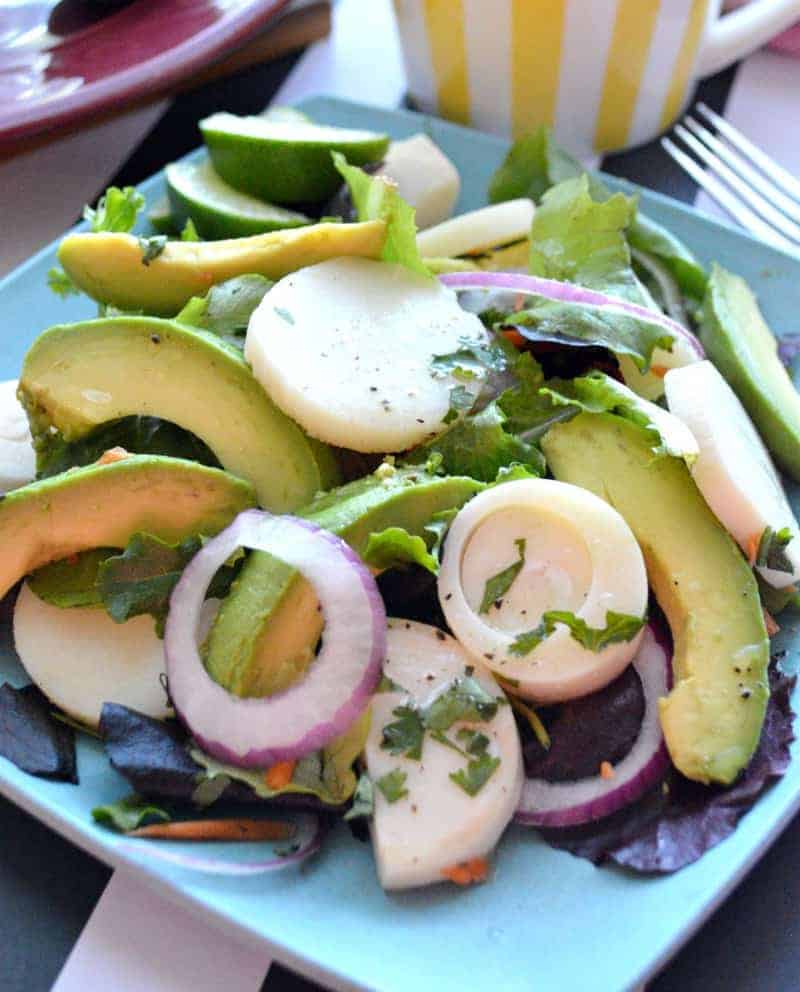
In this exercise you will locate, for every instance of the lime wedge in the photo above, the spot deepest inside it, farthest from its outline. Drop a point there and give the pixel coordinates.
(217, 209)
(286, 115)
(285, 161)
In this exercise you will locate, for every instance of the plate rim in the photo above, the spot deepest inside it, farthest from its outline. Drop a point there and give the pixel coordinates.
(145, 80)
(111, 849)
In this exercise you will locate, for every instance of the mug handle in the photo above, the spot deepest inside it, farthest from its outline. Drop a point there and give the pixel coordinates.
(743, 31)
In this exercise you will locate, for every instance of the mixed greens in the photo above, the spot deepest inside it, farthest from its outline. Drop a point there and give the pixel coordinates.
(421, 530)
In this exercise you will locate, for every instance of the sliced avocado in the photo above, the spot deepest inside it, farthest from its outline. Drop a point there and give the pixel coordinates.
(77, 376)
(268, 626)
(712, 718)
(743, 348)
(102, 506)
(110, 267)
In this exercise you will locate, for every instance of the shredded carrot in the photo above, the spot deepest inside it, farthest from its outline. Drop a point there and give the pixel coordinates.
(606, 770)
(113, 455)
(659, 370)
(770, 623)
(752, 548)
(240, 829)
(467, 872)
(514, 337)
(280, 775)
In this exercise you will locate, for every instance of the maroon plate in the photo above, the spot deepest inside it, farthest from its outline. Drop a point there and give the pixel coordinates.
(63, 62)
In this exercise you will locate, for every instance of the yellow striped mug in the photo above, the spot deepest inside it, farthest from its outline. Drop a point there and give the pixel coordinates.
(605, 74)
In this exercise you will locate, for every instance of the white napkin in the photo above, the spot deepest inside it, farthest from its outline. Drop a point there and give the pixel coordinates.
(135, 940)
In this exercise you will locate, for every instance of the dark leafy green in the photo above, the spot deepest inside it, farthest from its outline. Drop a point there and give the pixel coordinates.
(32, 738)
(141, 579)
(71, 581)
(138, 435)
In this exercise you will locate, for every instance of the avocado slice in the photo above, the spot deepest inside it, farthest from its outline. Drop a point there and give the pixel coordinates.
(268, 626)
(741, 345)
(104, 505)
(77, 376)
(712, 718)
(109, 267)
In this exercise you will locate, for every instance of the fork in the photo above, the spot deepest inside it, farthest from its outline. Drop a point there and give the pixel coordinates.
(743, 179)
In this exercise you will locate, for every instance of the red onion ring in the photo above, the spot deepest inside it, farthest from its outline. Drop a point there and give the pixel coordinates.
(310, 826)
(567, 804)
(567, 292)
(339, 683)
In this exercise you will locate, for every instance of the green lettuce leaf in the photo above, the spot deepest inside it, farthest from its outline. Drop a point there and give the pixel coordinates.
(141, 579)
(363, 799)
(189, 232)
(395, 546)
(129, 813)
(480, 446)
(771, 551)
(575, 238)
(327, 774)
(72, 581)
(536, 162)
(376, 198)
(533, 164)
(117, 210)
(599, 393)
(227, 307)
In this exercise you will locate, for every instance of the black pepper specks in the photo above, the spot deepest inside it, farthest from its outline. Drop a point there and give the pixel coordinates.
(155, 338)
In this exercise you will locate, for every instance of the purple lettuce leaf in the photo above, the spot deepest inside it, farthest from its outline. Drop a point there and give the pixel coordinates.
(32, 738)
(678, 821)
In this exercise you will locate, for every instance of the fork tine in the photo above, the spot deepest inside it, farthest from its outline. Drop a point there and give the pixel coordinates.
(723, 196)
(750, 196)
(767, 165)
(740, 165)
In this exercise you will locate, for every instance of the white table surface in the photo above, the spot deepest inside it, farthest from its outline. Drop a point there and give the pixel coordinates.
(134, 940)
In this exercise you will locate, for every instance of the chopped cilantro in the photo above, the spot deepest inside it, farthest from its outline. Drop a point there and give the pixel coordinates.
(461, 400)
(771, 553)
(392, 785)
(405, 735)
(498, 585)
(475, 742)
(477, 773)
(363, 799)
(152, 247)
(442, 738)
(619, 627)
(464, 699)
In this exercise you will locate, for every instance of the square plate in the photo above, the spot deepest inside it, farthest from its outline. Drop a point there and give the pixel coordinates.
(545, 913)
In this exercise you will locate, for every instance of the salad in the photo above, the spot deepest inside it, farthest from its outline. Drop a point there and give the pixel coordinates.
(345, 508)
